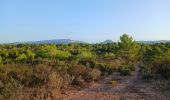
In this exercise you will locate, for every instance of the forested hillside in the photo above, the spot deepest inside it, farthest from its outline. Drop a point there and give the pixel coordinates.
(56, 67)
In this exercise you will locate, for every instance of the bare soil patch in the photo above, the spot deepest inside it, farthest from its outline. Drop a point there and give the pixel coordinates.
(116, 87)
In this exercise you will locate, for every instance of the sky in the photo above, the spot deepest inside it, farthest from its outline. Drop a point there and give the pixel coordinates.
(86, 20)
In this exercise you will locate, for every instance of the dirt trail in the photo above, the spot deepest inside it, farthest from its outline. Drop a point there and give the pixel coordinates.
(116, 87)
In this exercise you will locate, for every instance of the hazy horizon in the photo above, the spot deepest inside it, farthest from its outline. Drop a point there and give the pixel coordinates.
(86, 20)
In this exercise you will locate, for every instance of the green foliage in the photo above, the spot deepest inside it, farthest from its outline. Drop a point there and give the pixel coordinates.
(30, 54)
(0, 60)
(86, 55)
(47, 51)
(21, 57)
(55, 66)
(128, 48)
(62, 54)
(109, 55)
(126, 70)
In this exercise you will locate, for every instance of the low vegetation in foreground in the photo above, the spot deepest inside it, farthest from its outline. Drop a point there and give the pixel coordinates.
(45, 68)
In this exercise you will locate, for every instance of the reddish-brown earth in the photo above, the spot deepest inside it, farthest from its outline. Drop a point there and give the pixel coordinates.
(116, 87)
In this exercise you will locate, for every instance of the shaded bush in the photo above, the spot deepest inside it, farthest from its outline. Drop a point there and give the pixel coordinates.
(147, 72)
(101, 67)
(105, 68)
(162, 67)
(87, 62)
(125, 70)
(77, 72)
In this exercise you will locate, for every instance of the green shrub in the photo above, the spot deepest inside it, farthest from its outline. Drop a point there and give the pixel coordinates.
(0, 60)
(21, 57)
(109, 55)
(125, 71)
(86, 55)
(46, 51)
(131, 66)
(105, 68)
(62, 55)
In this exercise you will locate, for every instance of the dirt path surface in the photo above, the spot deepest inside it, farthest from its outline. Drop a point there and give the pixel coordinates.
(116, 87)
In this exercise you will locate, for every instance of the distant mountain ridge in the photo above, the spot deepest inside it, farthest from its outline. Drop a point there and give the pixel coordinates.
(145, 42)
(107, 41)
(153, 42)
(54, 41)
(66, 41)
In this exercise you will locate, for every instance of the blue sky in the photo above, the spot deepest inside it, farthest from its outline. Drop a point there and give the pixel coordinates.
(87, 20)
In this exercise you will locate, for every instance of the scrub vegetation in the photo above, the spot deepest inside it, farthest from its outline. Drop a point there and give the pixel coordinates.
(37, 71)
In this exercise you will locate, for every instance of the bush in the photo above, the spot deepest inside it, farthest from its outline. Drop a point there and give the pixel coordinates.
(55, 80)
(147, 72)
(101, 67)
(12, 90)
(109, 55)
(92, 75)
(41, 73)
(131, 66)
(21, 58)
(0, 60)
(77, 70)
(20, 72)
(87, 62)
(67, 80)
(95, 74)
(109, 68)
(125, 71)
(162, 67)
(62, 55)
(86, 55)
